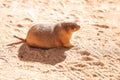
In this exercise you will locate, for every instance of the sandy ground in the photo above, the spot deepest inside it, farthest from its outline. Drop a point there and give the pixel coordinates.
(96, 51)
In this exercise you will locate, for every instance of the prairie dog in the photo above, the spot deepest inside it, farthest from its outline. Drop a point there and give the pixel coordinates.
(50, 36)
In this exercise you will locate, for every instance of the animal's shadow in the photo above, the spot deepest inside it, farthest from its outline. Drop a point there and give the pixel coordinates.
(49, 56)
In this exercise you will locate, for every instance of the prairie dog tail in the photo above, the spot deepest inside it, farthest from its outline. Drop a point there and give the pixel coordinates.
(22, 40)
(15, 43)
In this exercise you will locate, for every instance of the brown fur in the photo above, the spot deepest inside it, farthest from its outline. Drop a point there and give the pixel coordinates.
(45, 36)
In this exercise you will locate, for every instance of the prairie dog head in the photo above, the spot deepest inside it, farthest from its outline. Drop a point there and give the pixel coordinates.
(70, 27)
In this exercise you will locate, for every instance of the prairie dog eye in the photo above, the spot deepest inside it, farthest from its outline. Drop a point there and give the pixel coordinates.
(74, 29)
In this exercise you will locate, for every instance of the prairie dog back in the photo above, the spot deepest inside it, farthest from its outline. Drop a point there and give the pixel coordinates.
(40, 35)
